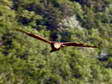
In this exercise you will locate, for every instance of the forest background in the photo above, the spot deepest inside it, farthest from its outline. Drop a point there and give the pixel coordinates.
(25, 60)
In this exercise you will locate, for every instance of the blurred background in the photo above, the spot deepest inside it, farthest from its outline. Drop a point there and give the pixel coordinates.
(25, 60)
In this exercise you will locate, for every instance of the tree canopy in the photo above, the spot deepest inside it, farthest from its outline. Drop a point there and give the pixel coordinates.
(25, 60)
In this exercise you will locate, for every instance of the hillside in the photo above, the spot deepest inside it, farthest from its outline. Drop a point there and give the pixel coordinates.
(25, 60)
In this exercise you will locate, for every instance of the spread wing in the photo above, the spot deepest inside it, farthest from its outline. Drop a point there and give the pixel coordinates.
(35, 36)
(77, 44)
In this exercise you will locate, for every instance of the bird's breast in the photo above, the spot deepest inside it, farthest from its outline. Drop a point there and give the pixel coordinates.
(57, 45)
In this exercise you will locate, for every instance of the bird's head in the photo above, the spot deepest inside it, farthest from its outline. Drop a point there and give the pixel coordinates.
(57, 45)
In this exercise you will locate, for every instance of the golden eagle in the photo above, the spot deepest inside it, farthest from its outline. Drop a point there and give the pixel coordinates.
(56, 45)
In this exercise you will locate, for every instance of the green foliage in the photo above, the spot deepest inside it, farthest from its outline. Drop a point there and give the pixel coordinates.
(25, 60)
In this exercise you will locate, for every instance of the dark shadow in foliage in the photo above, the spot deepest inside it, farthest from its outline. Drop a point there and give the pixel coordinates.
(103, 59)
(64, 36)
(15, 4)
(24, 56)
(33, 7)
(50, 14)
(8, 42)
(109, 65)
(75, 71)
(24, 20)
(51, 81)
(54, 36)
(7, 39)
(98, 5)
(77, 75)
(106, 60)
(66, 10)
(109, 61)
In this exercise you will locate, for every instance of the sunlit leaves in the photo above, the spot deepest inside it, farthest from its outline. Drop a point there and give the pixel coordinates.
(26, 60)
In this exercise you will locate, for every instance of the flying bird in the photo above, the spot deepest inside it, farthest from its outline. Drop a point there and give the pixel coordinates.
(55, 45)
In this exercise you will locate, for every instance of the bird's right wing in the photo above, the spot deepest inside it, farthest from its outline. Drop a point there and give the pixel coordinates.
(35, 36)
(77, 44)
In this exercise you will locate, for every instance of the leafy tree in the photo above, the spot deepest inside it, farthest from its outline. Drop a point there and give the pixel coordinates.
(25, 60)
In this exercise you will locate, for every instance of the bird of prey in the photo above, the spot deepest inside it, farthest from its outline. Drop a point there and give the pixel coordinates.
(55, 45)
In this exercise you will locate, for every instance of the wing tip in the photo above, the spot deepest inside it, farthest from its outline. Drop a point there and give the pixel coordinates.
(93, 46)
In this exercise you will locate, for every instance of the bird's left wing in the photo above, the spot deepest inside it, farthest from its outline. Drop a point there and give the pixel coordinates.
(77, 44)
(35, 36)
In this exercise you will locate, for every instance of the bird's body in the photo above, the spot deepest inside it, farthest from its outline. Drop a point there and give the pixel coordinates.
(56, 45)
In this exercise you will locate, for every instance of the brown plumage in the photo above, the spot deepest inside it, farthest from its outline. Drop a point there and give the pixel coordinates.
(56, 45)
